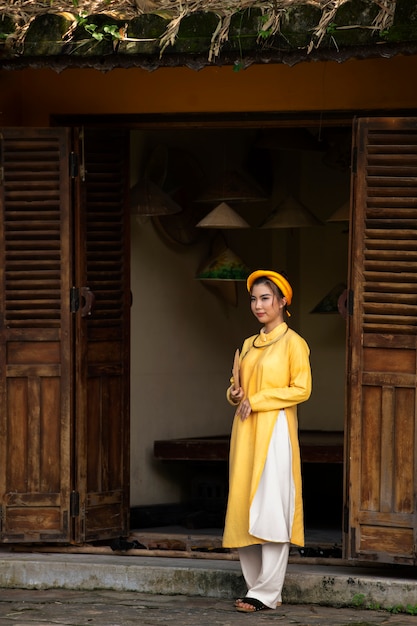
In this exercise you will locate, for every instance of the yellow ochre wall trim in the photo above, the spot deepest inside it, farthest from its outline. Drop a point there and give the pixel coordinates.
(30, 96)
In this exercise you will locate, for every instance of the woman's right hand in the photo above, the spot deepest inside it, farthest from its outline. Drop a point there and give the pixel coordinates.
(236, 395)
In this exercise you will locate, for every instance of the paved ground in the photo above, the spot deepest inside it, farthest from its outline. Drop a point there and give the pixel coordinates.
(20, 607)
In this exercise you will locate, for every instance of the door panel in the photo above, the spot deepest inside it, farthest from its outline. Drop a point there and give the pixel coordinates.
(382, 351)
(64, 377)
(103, 337)
(35, 426)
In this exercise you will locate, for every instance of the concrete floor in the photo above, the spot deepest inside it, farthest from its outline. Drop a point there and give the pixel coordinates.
(125, 608)
(326, 585)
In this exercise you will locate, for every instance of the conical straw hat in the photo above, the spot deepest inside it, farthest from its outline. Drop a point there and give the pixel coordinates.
(223, 216)
(291, 214)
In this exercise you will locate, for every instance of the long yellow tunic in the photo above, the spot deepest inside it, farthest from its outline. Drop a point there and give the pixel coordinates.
(275, 374)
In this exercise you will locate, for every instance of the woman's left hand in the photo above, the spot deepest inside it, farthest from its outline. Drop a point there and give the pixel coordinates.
(244, 409)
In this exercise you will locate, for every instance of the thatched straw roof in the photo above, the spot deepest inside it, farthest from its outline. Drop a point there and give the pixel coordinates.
(151, 33)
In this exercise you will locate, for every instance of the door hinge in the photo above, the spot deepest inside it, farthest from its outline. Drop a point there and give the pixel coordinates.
(350, 302)
(74, 299)
(354, 160)
(73, 165)
(75, 504)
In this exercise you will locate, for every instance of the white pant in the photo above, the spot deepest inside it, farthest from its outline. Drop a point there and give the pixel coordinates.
(264, 567)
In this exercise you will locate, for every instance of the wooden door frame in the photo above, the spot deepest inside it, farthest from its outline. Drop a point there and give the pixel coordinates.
(244, 121)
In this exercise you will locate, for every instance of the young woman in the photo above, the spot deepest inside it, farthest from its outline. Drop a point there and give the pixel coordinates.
(265, 509)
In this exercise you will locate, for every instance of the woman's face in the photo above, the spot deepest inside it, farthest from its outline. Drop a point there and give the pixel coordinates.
(266, 306)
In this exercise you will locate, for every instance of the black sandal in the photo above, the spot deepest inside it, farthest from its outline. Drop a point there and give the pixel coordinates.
(256, 605)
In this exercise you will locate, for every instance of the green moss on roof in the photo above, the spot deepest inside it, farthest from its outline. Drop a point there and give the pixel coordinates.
(195, 33)
(298, 26)
(143, 35)
(353, 24)
(200, 28)
(404, 26)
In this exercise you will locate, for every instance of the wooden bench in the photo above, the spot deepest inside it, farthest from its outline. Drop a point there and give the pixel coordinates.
(317, 446)
(204, 461)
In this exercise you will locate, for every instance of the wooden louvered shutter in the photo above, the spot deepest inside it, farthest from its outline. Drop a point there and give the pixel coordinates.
(382, 347)
(35, 335)
(103, 338)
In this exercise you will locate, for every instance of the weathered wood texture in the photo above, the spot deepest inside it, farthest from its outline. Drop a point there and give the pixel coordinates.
(103, 338)
(381, 412)
(35, 277)
(64, 378)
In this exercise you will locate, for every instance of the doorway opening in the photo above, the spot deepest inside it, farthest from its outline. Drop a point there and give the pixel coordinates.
(183, 345)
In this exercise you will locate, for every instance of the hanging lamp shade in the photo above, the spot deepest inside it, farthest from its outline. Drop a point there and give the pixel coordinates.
(226, 265)
(146, 198)
(291, 214)
(341, 214)
(231, 186)
(223, 217)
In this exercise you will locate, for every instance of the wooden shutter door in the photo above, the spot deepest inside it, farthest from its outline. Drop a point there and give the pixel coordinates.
(35, 411)
(103, 336)
(382, 354)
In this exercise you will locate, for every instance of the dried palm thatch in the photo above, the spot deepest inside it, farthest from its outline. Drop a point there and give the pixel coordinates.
(274, 14)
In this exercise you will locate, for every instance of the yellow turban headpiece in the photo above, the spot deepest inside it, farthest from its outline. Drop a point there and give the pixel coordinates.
(279, 280)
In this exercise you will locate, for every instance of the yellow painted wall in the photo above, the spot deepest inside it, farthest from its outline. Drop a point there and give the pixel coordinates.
(27, 97)
(183, 336)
